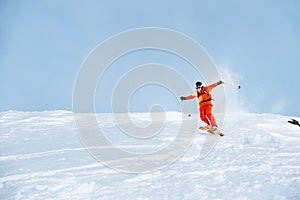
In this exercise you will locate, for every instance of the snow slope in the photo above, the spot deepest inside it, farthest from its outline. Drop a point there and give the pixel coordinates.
(41, 157)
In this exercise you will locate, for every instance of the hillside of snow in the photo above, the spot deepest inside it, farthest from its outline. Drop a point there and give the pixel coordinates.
(42, 157)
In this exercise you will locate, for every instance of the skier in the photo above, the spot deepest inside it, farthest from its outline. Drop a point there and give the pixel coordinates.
(205, 104)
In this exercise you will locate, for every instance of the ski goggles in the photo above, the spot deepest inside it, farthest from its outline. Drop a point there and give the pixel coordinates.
(199, 87)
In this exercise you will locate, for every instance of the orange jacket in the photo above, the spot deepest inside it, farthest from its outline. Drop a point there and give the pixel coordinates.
(204, 96)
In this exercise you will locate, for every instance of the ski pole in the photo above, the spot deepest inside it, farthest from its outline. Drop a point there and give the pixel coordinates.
(237, 86)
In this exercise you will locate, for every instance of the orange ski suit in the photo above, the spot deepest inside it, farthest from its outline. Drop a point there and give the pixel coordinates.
(205, 105)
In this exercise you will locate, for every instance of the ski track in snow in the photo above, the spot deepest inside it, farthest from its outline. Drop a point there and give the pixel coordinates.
(41, 157)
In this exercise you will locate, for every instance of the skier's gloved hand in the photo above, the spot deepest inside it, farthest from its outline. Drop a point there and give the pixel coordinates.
(182, 98)
(220, 82)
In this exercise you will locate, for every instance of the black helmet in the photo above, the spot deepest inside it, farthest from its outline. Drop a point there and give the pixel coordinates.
(198, 84)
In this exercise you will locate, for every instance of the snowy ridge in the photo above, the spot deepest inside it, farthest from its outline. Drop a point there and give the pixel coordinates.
(41, 157)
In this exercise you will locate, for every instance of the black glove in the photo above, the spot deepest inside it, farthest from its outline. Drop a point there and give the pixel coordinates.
(182, 98)
(220, 82)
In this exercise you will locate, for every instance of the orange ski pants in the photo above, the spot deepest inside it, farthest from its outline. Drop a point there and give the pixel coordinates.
(206, 115)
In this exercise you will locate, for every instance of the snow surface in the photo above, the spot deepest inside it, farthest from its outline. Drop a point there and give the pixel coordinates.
(42, 157)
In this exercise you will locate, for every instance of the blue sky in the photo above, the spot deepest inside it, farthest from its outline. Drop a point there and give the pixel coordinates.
(43, 44)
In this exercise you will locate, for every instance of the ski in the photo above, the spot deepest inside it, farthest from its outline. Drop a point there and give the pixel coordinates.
(211, 130)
